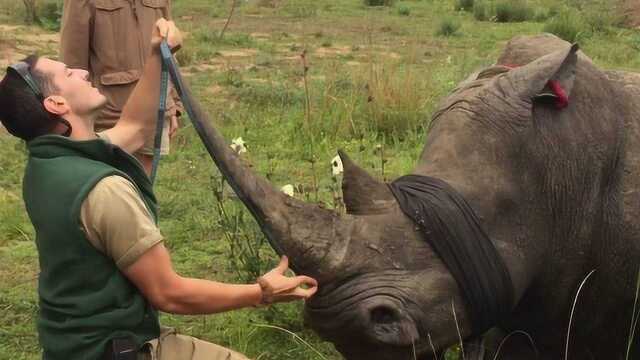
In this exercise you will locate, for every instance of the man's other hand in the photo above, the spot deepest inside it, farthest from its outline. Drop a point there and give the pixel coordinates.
(276, 287)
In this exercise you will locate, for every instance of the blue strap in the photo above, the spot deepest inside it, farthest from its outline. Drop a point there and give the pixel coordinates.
(162, 108)
(207, 133)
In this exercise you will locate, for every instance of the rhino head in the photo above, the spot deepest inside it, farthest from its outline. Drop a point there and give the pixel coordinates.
(384, 293)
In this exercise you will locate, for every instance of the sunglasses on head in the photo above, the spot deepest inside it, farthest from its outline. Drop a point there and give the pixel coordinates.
(22, 69)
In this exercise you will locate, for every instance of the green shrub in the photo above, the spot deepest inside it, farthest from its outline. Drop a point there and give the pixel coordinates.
(186, 56)
(50, 15)
(541, 15)
(266, 3)
(465, 5)
(266, 94)
(481, 11)
(554, 10)
(301, 8)
(567, 25)
(378, 2)
(404, 10)
(448, 27)
(600, 19)
(211, 36)
(392, 101)
(513, 11)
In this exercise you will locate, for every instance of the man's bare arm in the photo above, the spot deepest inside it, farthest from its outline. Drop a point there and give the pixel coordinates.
(167, 291)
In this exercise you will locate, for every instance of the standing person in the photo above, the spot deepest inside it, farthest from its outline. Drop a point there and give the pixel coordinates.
(110, 39)
(104, 269)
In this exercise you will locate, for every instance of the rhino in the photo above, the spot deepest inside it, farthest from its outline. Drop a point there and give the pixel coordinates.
(552, 179)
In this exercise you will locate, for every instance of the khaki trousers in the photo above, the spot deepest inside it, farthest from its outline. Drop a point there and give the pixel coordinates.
(172, 346)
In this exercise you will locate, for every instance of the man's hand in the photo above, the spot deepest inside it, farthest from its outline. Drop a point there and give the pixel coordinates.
(165, 29)
(173, 126)
(276, 287)
(173, 116)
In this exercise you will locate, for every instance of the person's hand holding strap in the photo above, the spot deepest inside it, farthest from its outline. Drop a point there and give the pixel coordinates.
(276, 287)
(165, 29)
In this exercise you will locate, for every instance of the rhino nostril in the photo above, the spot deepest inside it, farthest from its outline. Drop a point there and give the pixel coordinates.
(383, 315)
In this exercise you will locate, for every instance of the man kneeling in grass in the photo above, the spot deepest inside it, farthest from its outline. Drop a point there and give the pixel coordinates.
(103, 267)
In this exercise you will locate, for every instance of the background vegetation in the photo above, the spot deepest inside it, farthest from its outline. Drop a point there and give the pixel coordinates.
(374, 71)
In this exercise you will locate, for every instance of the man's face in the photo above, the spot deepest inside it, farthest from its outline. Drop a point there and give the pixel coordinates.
(73, 85)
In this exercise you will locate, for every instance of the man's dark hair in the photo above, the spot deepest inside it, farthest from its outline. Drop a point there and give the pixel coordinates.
(21, 111)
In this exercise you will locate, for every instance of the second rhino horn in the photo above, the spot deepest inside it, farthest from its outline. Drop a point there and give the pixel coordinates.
(363, 194)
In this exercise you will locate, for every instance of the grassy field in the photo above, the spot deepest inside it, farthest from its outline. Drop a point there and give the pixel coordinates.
(373, 76)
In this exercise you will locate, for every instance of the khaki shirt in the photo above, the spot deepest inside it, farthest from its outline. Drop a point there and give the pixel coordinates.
(111, 39)
(117, 222)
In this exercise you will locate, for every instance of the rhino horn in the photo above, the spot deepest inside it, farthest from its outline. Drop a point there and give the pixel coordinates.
(533, 80)
(312, 237)
(363, 194)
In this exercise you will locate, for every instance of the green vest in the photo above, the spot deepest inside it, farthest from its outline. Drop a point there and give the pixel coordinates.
(84, 299)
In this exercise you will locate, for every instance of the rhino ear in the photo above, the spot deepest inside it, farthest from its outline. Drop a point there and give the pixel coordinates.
(551, 76)
(363, 194)
(391, 326)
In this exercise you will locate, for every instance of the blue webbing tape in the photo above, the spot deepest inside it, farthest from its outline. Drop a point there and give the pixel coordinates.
(162, 108)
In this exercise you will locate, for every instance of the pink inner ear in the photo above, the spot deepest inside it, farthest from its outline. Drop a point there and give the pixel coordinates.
(562, 100)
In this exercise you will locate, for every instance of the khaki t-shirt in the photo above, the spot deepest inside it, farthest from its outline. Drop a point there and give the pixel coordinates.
(117, 222)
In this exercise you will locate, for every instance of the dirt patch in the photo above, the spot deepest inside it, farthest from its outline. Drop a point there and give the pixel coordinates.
(18, 41)
(391, 55)
(9, 54)
(42, 38)
(332, 51)
(259, 35)
(631, 11)
(9, 28)
(190, 70)
(214, 90)
(9, 57)
(240, 53)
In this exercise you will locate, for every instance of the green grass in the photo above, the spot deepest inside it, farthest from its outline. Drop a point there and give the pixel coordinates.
(513, 11)
(481, 11)
(449, 26)
(404, 10)
(568, 25)
(374, 78)
(378, 2)
(466, 5)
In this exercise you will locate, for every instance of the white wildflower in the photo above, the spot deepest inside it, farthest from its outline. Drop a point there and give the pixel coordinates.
(336, 166)
(237, 145)
(287, 189)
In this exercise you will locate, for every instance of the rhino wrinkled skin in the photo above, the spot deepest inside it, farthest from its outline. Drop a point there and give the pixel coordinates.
(557, 190)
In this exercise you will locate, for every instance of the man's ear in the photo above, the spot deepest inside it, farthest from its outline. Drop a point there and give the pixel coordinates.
(56, 105)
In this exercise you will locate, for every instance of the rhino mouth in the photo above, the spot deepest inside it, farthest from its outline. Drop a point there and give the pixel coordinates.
(361, 308)
(348, 296)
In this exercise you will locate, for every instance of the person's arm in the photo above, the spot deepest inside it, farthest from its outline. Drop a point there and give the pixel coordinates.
(167, 291)
(75, 34)
(117, 222)
(138, 119)
(176, 111)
